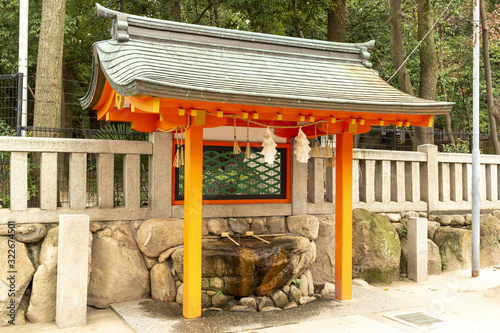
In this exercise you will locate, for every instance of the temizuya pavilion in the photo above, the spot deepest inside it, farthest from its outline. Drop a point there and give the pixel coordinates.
(162, 75)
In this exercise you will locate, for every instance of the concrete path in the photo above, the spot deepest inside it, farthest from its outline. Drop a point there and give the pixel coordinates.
(461, 303)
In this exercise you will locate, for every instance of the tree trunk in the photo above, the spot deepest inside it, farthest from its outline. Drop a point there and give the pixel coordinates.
(487, 74)
(397, 48)
(176, 10)
(48, 102)
(428, 65)
(336, 22)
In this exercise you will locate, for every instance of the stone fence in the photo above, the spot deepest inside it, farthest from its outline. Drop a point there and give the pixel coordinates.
(383, 181)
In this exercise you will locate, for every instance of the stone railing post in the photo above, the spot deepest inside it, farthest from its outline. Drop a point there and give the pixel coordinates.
(417, 249)
(299, 186)
(429, 179)
(160, 175)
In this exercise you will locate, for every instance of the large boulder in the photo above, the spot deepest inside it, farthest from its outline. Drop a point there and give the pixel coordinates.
(119, 273)
(254, 267)
(323, 268)
(304, 225)
(434, 265)
(30, 233)
(376, 249)
(13, 285)
(490, 240)
(156, 235)
(42, 307)
(455, 247)
(162, 283)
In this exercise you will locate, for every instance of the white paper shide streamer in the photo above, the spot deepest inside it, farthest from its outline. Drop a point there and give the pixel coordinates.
(302, 148)
(269, 151)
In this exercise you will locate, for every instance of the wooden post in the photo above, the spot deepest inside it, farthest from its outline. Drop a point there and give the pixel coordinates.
(343, 217)
(193, 182)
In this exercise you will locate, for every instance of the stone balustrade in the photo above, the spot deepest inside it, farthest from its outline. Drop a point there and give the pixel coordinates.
(383, 181)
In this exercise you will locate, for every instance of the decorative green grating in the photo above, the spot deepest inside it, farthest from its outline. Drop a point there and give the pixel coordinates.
(230, 176)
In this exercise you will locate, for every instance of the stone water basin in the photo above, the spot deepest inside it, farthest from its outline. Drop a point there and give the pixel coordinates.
(254, 267)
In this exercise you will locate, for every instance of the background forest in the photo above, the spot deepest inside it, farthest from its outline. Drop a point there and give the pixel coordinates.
(353, 21)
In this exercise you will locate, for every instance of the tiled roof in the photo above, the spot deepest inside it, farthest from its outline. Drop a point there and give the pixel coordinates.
(190, 62)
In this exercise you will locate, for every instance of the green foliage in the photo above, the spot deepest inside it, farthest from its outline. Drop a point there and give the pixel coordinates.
(296, 282)
(461, 146)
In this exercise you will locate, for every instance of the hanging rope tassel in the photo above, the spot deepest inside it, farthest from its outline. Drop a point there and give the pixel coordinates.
(236, 147)
(248, 151)
(328, 153)
(177, 163)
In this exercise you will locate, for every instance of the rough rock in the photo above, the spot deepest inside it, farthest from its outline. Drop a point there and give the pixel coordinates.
(156, 235)
(150, 262)
(270, 308)
(400, 228)
(179, 296)
(30, 233)
(249, 302)
(216, 226)
(206, 301)
(304, 285)
(433, 258)
(422, 214)
(254, 268)
(34, 253)
(239, 308)
(276, 225)
(431, 228)
(304, 225)
(42, 308)
(323, 268)
(257, 226)
(286, 289)
(119, 273)
(24, 272)
(359, 283)
(95, 227)
(279, 298)
(204, 228)
(403, 262)
(495, 213)
(295, 294)
(457, 220)
(290, 305)
(329, 288)
(410, 214)
(265, 302)
(432, 217)
(165, 255)
(376, 248)
(468, 219)
(455, 247)
(490, 240)
(310, 280)
(306, 299)
(444, 220)
(239, 226)
(162, 283)
(219, 301)
(392, 217)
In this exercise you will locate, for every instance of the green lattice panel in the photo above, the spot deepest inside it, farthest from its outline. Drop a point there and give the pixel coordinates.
(227, 174)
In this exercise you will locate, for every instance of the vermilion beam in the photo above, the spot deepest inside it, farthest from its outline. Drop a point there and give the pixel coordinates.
(193, 182)
(343, 217)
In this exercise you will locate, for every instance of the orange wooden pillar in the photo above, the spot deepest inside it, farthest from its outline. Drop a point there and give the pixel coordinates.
(343, 217)
(193, 183)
